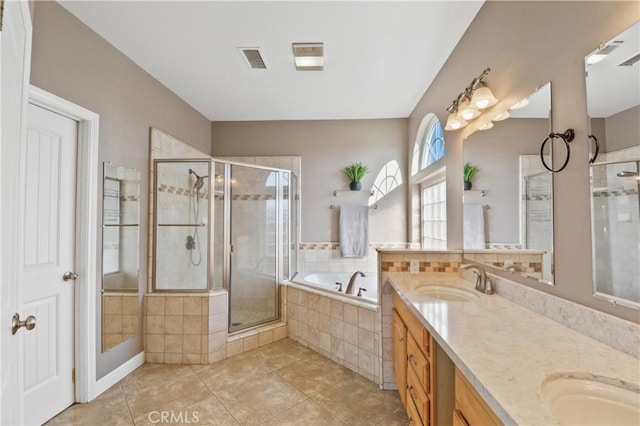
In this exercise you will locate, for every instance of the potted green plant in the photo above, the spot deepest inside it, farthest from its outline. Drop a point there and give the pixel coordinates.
(355, 172)
(468, 172)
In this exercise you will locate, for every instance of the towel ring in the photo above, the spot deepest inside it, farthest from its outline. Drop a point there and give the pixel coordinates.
(566, 137)
(595, 154)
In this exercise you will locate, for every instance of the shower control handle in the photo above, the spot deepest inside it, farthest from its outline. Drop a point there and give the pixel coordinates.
(70, 276)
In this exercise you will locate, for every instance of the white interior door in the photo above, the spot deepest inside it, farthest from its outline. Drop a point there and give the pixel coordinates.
(48, 200)
(15, 46)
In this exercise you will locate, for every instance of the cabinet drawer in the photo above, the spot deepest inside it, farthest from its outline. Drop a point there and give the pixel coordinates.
(412, 412)
(472, 407)
(414, 326)
(418, 362)
(458, 420)
(418, 396)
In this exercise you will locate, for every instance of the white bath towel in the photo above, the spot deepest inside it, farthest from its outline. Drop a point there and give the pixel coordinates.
(354, 230)
(473, 226)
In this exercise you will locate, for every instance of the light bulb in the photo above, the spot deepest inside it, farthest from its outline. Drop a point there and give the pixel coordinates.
(483, 98)
(467, 112)
(502, 116)
(486, 126)
(454, 122)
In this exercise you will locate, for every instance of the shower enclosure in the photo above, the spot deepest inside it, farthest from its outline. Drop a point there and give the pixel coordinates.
(537, 223)
(221, 224)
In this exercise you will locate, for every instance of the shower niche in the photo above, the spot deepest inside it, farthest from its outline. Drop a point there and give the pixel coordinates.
(224, 225)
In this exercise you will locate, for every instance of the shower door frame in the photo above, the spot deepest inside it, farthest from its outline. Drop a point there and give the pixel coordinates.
(280, 245)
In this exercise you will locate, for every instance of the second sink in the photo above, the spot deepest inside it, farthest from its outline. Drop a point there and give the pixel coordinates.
(588, 400)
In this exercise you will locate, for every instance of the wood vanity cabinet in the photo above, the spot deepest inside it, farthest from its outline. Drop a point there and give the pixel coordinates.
(470, 407)
(413, 365)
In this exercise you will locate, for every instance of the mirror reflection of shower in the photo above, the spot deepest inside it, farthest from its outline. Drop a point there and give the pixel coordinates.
(193, 241)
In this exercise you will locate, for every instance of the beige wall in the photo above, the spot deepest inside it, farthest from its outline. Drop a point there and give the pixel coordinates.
(527, 44)
(497, 152)
(71, 61)
(622, 129)
(326, 147)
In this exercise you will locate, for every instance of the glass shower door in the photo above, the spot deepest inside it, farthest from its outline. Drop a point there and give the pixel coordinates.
(253, 271)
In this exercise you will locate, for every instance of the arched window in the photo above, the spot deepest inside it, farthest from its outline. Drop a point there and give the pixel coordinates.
(388, 179)
(429, 146)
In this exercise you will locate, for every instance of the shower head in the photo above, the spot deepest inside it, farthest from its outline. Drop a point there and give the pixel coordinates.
(199, 183)
(627, 173)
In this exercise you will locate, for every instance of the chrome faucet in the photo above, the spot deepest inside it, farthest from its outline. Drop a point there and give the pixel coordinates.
(483, 282)
(352, 281)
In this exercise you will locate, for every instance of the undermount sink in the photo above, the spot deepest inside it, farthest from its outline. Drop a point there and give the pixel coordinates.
(591, 400)
(450, 294)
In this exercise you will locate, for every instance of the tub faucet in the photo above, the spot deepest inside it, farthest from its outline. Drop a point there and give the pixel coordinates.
(352, 281)
(514, 267)
(483, 282)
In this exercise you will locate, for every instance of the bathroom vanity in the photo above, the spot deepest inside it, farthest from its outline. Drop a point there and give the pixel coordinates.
(465, 358)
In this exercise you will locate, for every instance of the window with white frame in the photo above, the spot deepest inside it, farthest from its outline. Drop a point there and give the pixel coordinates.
(429, 146)
(429, 180)
(433, 199)
(388, 179)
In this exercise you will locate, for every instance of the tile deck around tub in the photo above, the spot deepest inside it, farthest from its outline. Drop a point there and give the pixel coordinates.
(283, 383)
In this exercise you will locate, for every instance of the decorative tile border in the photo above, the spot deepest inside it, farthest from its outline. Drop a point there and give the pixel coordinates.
(402, 266)
(616, 192)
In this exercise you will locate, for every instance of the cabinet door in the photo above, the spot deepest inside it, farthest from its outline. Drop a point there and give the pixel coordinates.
(400, 356)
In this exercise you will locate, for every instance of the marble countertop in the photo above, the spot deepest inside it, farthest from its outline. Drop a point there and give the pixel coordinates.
(506, 351)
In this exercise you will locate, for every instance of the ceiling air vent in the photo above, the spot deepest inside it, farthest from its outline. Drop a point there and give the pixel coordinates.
(631, 61)
(253, 57)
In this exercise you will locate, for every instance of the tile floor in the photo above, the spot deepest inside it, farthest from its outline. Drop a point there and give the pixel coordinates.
(283, 383)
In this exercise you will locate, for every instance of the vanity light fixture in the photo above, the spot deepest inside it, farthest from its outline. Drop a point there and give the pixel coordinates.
(502, 116)
(520, 104)
(469, 104)
(308, 56)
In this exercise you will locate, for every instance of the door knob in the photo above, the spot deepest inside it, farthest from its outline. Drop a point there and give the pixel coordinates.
(69, 276)
(29, 323)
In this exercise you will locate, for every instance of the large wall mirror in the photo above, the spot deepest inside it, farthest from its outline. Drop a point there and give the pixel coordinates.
(613, 102)
(120, 247)
(508, 212)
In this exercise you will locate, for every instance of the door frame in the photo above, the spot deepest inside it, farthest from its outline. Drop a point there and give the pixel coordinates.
(86, 240)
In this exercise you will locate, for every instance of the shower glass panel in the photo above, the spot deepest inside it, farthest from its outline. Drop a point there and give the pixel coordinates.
(538, 220)
(286, 231)
(254, 226)
(218, 226)
(181, 232)
(615, 201)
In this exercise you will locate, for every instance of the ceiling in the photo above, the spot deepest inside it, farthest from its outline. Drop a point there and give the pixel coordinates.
(380, 57)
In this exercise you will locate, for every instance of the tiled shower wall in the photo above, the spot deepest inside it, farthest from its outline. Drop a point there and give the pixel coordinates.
(615, 216)
(432, 265)
(174, 260)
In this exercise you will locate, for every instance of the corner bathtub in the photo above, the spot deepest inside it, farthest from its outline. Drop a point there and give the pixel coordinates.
(325, 282)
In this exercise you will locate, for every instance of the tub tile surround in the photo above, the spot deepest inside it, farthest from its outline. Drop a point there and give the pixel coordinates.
(507, 351)
(325, 256)
(341, 331)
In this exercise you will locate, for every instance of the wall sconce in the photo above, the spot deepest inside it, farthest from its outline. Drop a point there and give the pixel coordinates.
(470, 103)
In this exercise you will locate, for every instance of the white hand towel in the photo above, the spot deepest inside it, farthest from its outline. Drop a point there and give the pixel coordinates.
(354, 230)
(473, 226)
